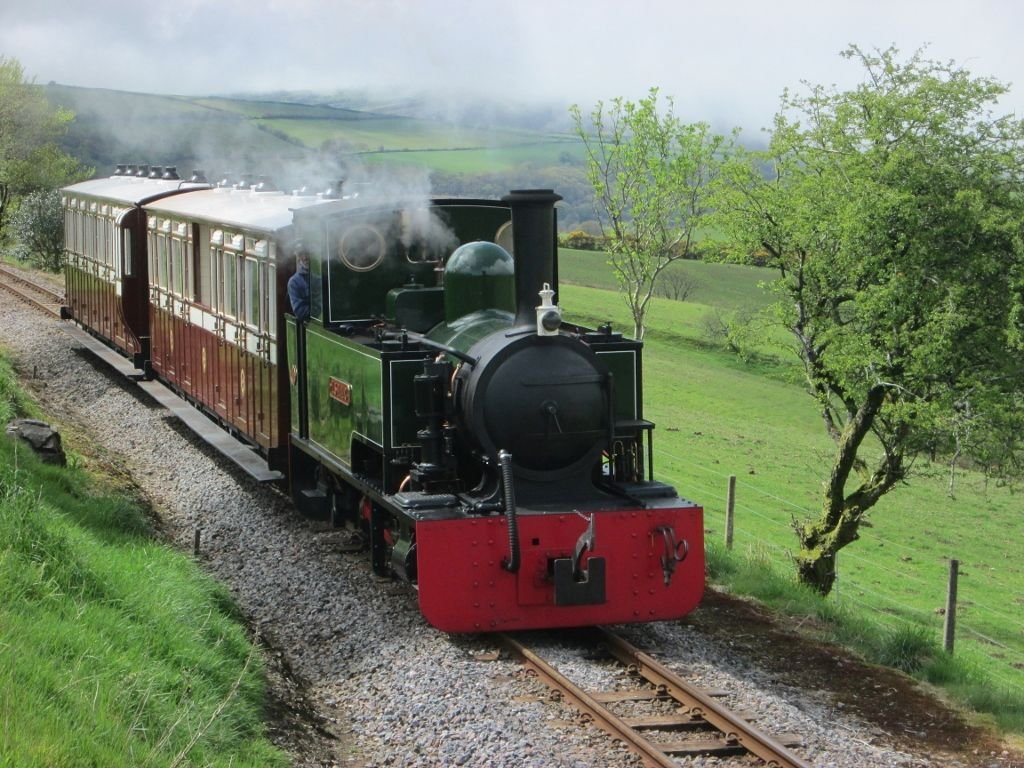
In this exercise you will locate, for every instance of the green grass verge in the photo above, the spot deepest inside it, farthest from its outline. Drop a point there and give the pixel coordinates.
(114, 650)
(720, 415)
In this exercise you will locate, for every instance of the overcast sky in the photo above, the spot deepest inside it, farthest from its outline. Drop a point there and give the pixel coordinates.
(722, 60)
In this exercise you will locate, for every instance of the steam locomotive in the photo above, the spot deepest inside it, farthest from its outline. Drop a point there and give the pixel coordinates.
(491, 453)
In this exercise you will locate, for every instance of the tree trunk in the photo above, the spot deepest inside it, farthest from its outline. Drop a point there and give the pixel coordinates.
(817, 570)
(821, 541)
(5, 198)
(841, 513)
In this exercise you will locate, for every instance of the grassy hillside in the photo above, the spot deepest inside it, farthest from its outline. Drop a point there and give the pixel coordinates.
(314, 143)
(113, 127)
(718, 416)
(114, 649)
(116, 126)
(719, 286)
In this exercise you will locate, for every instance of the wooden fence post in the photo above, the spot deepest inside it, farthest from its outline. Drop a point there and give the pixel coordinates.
(730, 509)
(950, 628)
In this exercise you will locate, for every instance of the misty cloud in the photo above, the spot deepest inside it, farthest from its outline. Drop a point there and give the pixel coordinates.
(725, 62)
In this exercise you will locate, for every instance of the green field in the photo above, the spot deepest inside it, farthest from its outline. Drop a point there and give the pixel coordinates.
(728, 287)
(488, 159)
(718, 416)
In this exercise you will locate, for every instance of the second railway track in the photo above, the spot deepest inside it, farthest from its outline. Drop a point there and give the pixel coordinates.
(667, 716)
(42, 297)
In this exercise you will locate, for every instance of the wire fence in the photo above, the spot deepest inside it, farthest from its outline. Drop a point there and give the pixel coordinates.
(749, 502)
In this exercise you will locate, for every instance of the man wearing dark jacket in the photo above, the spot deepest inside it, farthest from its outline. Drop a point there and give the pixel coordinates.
(298, 287)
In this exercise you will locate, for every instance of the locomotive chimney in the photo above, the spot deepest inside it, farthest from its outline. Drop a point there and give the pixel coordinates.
(533, 243)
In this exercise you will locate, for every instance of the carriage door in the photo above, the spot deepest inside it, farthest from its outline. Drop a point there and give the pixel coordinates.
(181, 290)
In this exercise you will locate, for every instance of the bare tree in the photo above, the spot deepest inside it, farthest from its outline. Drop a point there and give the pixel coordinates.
(676, 285)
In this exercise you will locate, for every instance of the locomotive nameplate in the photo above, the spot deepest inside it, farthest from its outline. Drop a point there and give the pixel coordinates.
(340, 390)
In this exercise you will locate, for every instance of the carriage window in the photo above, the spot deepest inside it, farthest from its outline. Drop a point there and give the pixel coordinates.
(126, 246)
(161, 258)
(203, 265)
(90, 237)
(109, 243)
(102, 253)
(80, 232)
(216, 277)
(252, 293)
(69, 232)
(177, 267)
(228, 287)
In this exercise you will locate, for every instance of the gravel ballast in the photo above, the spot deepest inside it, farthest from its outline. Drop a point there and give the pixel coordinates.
(382, 688)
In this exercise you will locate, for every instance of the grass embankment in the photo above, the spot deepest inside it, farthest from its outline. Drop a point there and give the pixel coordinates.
(720, 415)
(114, 649)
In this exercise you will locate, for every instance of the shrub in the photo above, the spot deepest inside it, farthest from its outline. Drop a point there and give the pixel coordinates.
(907, 647)
(579, 240)
(38, 224)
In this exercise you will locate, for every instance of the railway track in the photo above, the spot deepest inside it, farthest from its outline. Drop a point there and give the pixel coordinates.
(41, 296)
(668, 717)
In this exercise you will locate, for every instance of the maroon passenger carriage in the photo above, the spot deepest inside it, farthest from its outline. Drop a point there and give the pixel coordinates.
(219, 261)
(106, 269)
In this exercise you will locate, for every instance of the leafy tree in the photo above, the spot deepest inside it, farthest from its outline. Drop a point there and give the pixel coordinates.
(651, 175)
(893, 213)
(29, 127)
(39, 226)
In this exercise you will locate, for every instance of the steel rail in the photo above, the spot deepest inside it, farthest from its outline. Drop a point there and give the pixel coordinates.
(736, 729)
(738, 735)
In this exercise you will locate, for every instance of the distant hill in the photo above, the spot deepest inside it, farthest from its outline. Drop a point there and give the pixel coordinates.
(464, 111)
(309, 140)
(119, 127)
